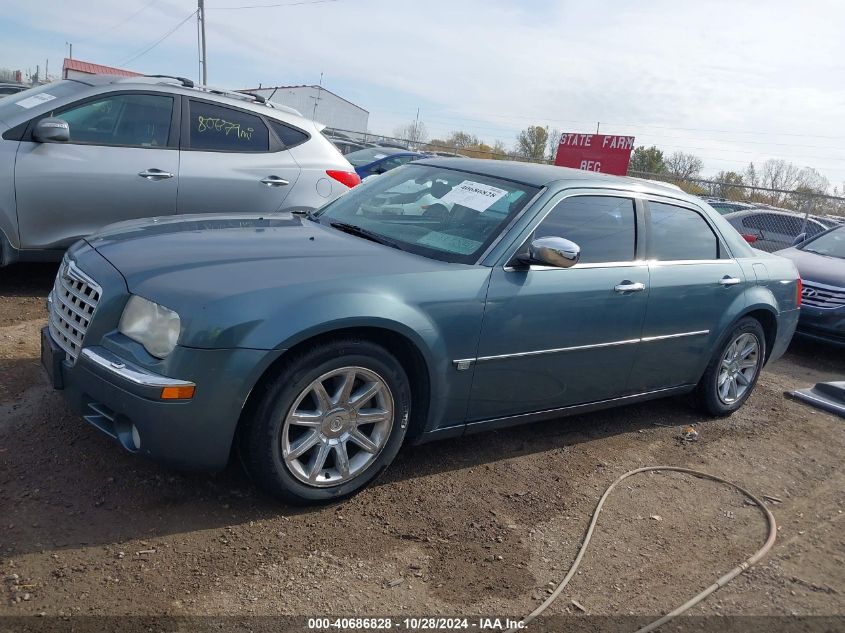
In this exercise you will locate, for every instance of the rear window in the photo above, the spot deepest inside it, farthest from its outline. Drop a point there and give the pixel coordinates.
(289, 136)
(680, 234)
(367, 156)
(220, 129)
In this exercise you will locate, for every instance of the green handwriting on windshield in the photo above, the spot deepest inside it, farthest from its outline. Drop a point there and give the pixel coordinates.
(223, 126)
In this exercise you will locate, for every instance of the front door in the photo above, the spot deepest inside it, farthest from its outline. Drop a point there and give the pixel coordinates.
(554, 337)
(232, 163)
(121, 163)
(695, 288)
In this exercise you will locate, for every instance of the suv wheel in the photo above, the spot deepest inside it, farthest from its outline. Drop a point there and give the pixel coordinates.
(734, 369)
(330, 423)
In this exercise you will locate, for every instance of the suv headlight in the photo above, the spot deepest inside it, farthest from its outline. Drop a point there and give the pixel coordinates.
(153, 326)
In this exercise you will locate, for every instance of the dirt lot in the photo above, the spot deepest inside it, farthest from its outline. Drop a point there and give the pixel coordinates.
(476, 525)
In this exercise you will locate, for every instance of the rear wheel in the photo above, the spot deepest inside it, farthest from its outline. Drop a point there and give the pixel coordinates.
(734, 369)
(330, 423)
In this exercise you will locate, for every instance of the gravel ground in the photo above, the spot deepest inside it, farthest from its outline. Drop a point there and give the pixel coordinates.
(479, 525)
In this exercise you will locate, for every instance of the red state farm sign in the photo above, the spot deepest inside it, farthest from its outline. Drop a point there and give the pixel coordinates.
(595, 152)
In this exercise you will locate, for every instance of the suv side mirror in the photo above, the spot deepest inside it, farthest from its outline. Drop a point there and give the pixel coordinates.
(51, 130)
(799, 238)
(552, 251)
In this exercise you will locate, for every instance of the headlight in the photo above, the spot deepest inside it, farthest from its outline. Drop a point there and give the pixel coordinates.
(153, 326)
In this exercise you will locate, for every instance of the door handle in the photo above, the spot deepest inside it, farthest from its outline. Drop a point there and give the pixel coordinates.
(155, 174)
(627, 286)
(274, 181)
(729, 281)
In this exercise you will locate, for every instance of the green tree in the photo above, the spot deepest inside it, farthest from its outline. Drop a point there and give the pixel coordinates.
(531, 142)
(648, 160)
(726, 186)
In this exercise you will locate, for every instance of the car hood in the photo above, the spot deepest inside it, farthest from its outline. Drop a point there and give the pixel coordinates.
(817, 268)
(219, 256)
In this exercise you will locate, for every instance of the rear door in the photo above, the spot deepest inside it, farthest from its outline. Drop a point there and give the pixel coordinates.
(695, 288)
(121, 163)
(231, 162)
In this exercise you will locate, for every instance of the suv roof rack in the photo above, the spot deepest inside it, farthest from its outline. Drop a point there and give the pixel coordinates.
(187, 83)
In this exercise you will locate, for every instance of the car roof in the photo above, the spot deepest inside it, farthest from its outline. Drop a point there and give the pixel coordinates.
(541, 175)
(230, 97)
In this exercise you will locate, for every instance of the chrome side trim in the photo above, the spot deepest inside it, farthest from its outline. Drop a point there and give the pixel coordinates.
(136, 375)
(649, 339)
(466, 363)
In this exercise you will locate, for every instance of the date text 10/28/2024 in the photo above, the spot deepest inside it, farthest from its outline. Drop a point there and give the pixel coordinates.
(414, 624)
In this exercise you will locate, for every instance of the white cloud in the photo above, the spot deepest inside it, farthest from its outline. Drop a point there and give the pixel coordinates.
(731, 81)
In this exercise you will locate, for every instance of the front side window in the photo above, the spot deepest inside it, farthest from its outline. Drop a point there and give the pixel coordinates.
(604, 227)
(127, 120)
(440, 213)
(220, 129)
(678, 233)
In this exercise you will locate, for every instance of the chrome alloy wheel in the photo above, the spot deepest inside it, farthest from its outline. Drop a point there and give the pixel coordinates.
(337, 426)
(738, 368)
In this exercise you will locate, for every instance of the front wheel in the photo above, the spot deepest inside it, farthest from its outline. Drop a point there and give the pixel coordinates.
(734, 369)
(329, 424)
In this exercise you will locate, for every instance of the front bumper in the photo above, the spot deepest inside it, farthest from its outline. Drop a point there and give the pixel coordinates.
(822, 324)
(123, 400)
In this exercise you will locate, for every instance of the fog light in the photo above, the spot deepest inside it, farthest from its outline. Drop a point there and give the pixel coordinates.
(178, 393)
(136, 437)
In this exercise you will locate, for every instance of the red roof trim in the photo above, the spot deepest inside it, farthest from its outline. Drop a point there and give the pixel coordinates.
(95, 69)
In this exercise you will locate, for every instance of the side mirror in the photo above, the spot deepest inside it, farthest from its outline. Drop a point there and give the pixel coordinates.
(552, 251)
(799, 238)
(51, 130)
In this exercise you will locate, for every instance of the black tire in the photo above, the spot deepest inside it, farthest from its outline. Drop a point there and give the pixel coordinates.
(707, 398)
(261, 439)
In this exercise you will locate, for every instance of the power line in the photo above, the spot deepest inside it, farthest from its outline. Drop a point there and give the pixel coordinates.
(271, 6)
(120, 22)
(159, 40)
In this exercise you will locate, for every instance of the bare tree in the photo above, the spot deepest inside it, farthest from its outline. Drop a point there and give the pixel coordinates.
(415, 131)
(554, 142)
(684, 166)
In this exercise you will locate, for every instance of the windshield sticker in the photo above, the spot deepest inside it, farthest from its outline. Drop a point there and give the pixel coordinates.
(474, 195)
(378, 156)
(450, 243)
(34, 100)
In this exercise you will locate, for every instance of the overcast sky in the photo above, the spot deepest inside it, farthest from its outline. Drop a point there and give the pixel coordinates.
(731, 81)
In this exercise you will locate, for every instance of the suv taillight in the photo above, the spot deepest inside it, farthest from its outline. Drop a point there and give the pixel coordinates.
(348, 178)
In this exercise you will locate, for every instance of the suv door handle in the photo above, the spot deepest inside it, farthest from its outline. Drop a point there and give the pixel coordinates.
(627, 286)
(155, 174)
(274, 181)
(729, 281)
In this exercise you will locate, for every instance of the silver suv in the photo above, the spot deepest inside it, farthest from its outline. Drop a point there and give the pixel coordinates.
(77, 155)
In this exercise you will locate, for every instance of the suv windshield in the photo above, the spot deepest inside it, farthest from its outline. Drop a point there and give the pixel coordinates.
(21, 102)
(831, 244)
(441, 213)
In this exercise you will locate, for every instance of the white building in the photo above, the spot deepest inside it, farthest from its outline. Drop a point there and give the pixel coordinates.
(318, 104)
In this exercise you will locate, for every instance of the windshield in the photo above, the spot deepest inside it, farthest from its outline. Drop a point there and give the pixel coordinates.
(831, 244)
(366, 156)
(441, 213)
(21, 102)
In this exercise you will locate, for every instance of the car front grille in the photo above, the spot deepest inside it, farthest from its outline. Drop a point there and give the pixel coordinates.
(72, 304)
(823, 296)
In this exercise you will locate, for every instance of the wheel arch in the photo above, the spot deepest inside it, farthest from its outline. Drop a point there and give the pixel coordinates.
(766, 315)
(401, 344)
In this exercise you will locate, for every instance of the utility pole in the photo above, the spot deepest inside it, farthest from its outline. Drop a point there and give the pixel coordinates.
(417, 127)
(598, 126)
(317, 98)
(201, 18)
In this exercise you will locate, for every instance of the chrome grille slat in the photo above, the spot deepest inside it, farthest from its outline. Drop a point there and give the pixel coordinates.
(823, 296)
(73, 302)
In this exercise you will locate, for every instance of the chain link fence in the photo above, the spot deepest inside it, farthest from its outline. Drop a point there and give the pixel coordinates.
(770, 219)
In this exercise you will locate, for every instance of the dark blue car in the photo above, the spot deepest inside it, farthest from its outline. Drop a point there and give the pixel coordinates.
(378, 160)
